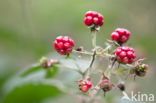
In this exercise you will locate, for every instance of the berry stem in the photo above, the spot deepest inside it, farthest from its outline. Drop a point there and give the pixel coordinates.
(91, 63)
(92, 60)
(93, 33)
(103, 53)
(83, 52)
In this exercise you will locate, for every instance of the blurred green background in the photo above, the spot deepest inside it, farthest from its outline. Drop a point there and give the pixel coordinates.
(29, 27)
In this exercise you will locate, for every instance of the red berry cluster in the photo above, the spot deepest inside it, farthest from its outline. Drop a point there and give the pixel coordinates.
(85, 85)
(120, 35)
(63, 45)
(125, 55)
(93, 18)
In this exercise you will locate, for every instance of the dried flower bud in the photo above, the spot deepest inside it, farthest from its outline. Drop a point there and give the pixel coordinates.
(46, 63)
(121, 86)
(106, 85)
(141, 69)
(79, 49)
(85, 85)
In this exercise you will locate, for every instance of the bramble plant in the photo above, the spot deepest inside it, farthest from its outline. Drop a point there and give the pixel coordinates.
(117, 54)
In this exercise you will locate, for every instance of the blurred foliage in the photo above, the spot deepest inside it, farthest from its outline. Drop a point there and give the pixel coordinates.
(27, 93)
(29, 27)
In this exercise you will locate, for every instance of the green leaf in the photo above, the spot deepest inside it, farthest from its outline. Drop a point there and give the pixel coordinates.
(51, 72)
(31, 89)
(76, 63)
(32, 93)
(32, 69)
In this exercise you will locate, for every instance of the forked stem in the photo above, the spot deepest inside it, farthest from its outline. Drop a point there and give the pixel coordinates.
(89, 69)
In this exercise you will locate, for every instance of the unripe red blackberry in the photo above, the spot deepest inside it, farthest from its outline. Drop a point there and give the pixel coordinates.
(125, 55)
(120, 35)
(84, 88)
(85, 85)
(94, 19)
(64, 45)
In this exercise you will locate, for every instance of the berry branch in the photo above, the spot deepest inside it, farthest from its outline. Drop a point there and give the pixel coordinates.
(117, 54)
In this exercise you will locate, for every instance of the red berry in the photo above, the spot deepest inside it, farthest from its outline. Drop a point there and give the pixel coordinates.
(88, 83)
(122, 54)
(120, 35)
(115, 36)
(101, 23)
(119, 59)
(125, 55)
(88, 13)
(120, 31)
(127, 34)
(125, 48)
(132, 50)
(100, 17)
(123, 39)
(130, 61)
(118, 51)
(94, 14)
(63, 45)
(125, 60)
(130, 54)
(88, 20)
(93, 18)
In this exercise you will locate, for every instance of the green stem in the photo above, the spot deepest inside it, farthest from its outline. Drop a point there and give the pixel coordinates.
(91, 63)
(92, 60)
(93, 33)
(83, 52)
